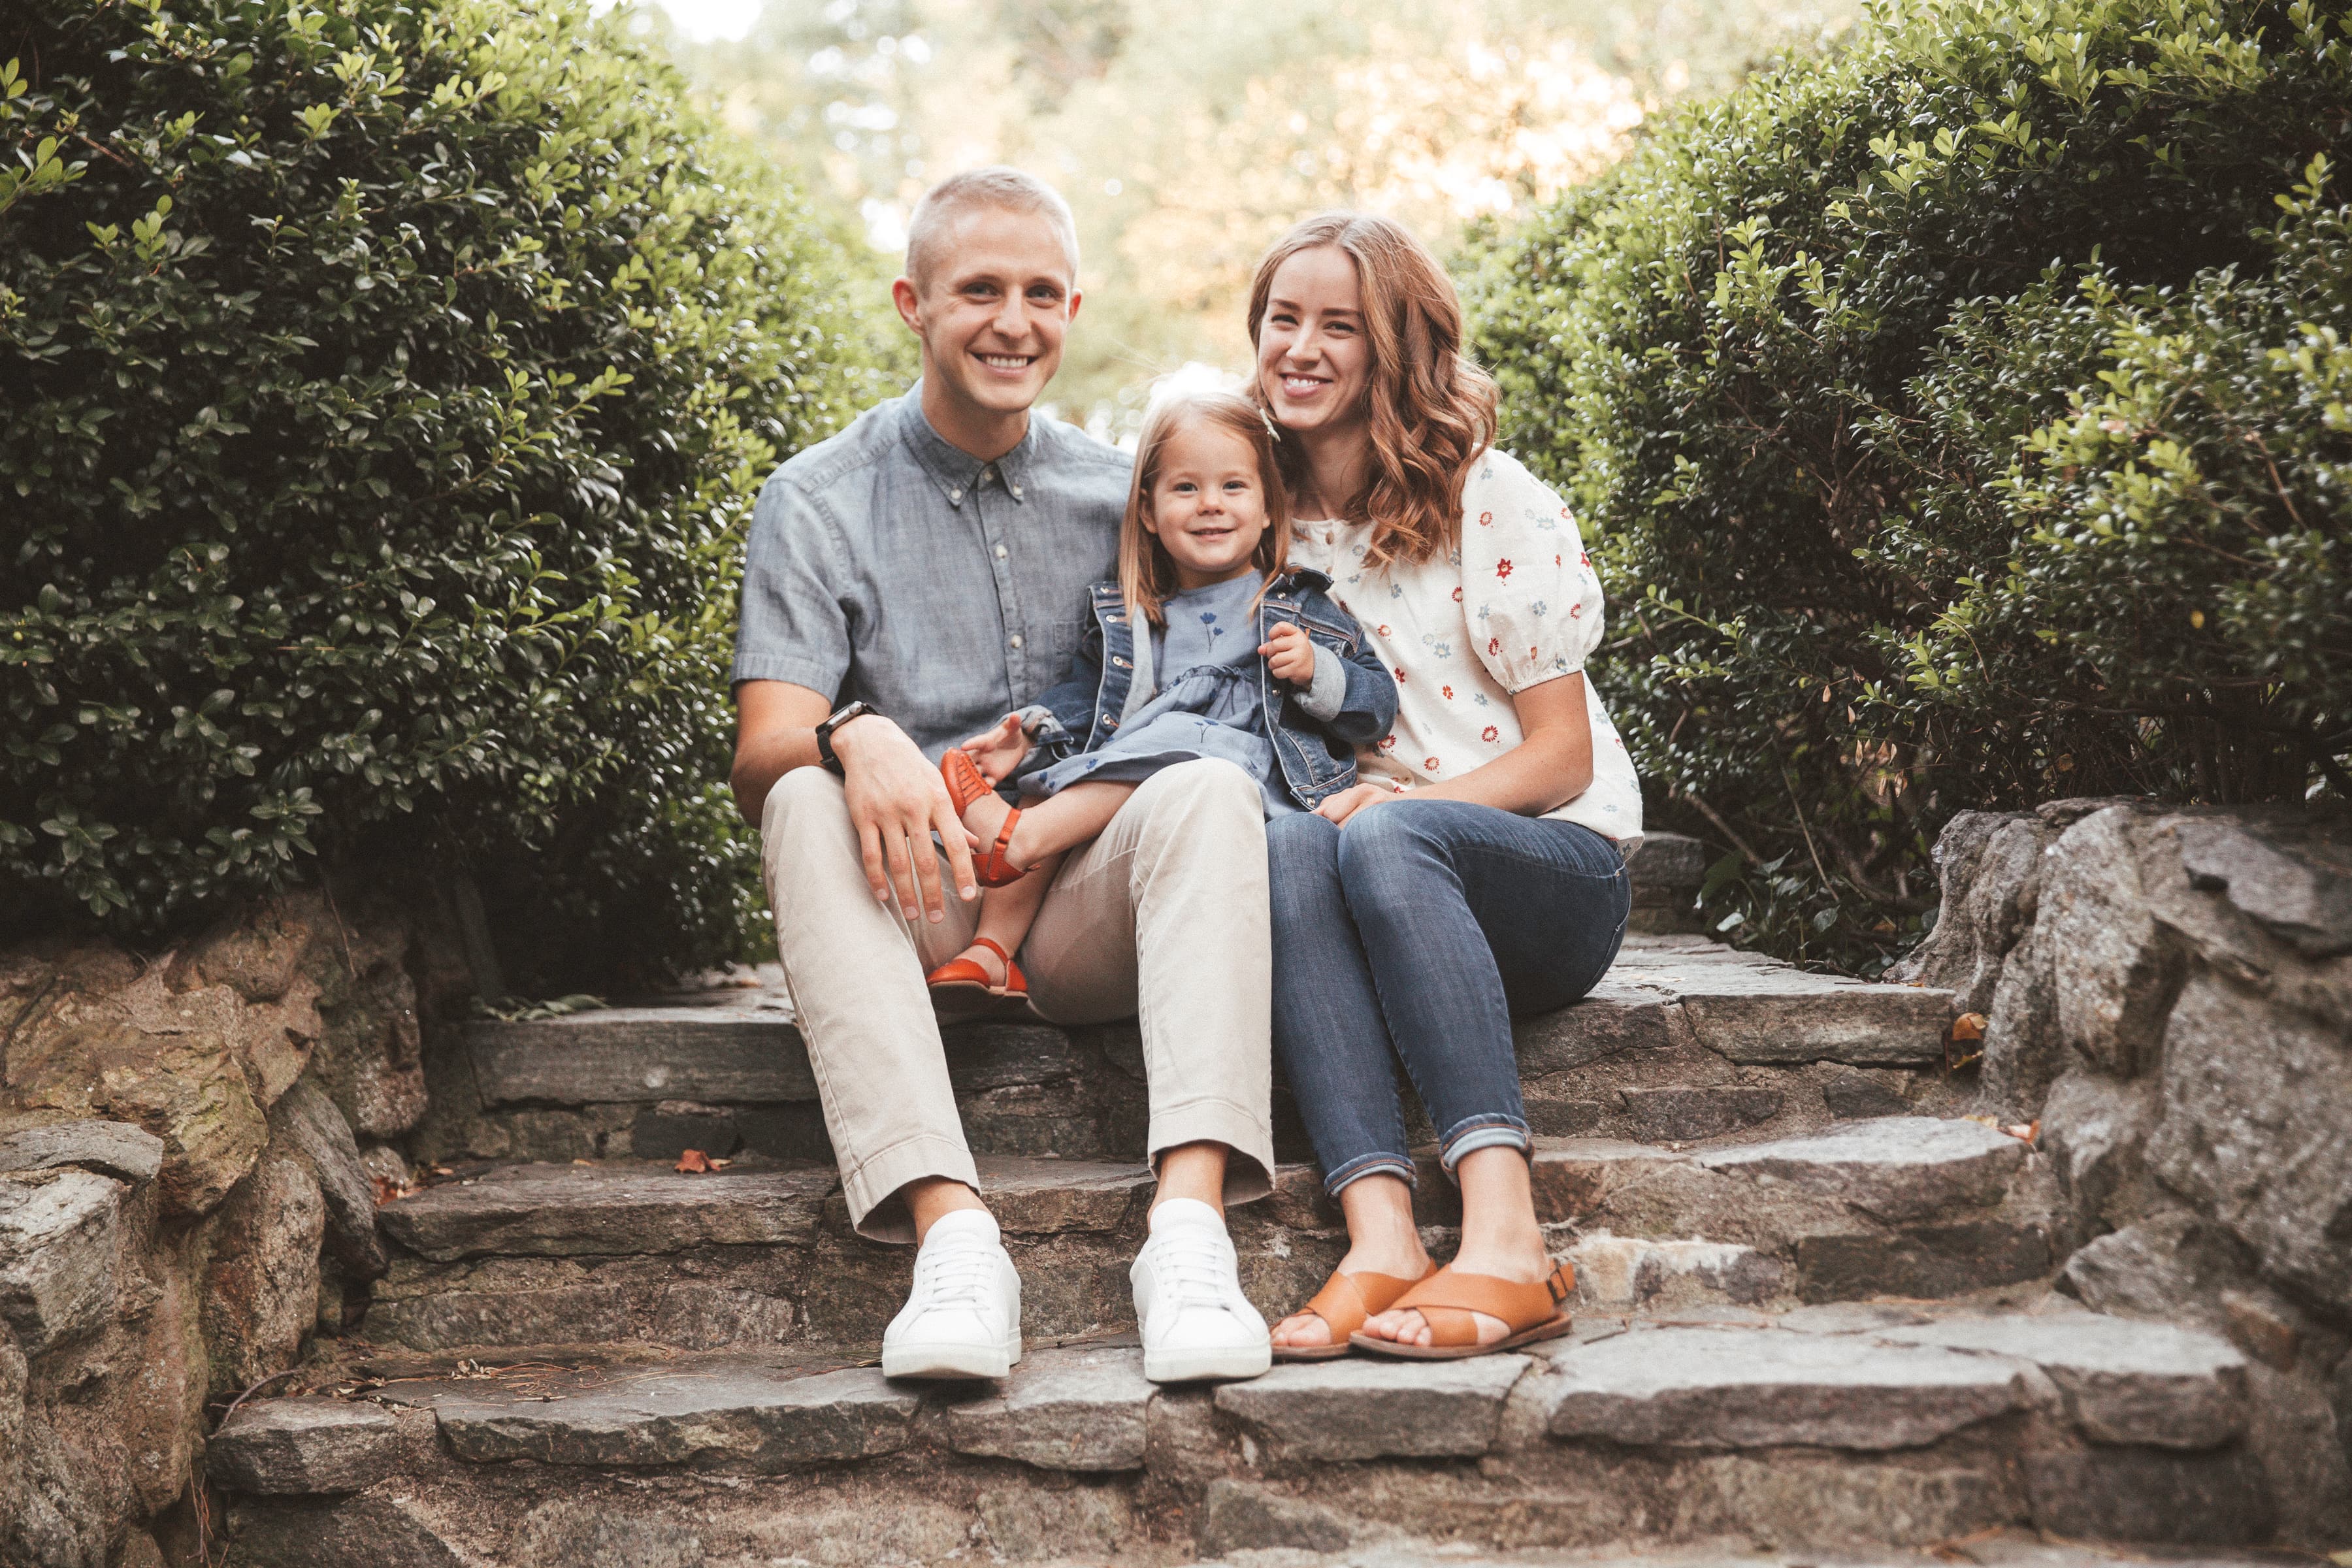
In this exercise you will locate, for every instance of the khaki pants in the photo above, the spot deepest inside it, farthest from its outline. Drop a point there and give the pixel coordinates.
(1164, 918)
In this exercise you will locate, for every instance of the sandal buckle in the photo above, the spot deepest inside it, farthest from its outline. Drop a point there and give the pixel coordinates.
(1561, 1284)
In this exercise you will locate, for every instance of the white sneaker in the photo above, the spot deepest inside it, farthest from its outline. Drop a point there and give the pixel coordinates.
(962, 1318)
(1196, 1322)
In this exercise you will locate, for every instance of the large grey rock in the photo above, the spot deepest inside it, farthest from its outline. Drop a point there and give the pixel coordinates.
(1061, 1410)
(2298, 897)
(261, 1277)
(58, 1241)
(2256, 1101)
(2124, 1381)
(717, 1055)
(1854, 1095)
(2114, 972)
(1714, 1388)
(752, 1416)
(371, 1531)
(1362, 1408)
(2094, 1129)
(1246, 1516)
(567, 1211)
(2168, 1265)
(1688, 1115)
(308, 1122)
(298, 1447)
(1989, 865)
(1626, 1273)
(2151, 1494)
(2025, 1051)
(1926, 1261)
(110, 1148)
(1898, 1168)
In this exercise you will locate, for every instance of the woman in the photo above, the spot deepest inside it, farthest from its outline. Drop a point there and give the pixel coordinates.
(1478, 868)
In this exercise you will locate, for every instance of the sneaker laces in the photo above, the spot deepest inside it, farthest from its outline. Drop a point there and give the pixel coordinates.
(959, 1276)
(1196, 1262)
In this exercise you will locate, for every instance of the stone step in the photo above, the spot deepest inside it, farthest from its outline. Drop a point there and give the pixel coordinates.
(760, 1255)
(1684, 1040)
(1903, 1426)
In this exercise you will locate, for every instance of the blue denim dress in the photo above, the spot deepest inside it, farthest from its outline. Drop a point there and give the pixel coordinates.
(1209, 708)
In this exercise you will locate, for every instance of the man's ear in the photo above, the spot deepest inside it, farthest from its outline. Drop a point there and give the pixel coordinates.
(903, 294)
(1077, 299)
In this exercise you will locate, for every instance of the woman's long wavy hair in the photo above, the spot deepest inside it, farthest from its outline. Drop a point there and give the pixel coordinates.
(1147, 572)
(1432, 409)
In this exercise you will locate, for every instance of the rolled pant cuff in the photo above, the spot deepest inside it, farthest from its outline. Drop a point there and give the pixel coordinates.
(1483, 1132)
(871, 1190)
(1362, 1165)
(1249, 1169)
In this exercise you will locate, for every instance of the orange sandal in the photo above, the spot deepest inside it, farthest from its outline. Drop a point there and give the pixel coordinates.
(961, 987)
(1343, 1304)
(1446, 1302)
(965, 785)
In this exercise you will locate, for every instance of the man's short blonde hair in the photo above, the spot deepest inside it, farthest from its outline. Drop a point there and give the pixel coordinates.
(994, 187)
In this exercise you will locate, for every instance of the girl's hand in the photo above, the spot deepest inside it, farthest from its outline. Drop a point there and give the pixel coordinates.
(996, 752)
(1289, 653)
(1353, 799)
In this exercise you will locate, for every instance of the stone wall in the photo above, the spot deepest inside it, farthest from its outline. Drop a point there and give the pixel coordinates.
(185, 1197)
(2168, 993)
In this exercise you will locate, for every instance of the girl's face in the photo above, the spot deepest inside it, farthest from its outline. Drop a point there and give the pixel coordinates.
(1207, 504)
(1314, 361)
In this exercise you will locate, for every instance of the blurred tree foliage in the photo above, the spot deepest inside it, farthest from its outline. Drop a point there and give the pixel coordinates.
(1188, 133)
(1961, 421)
(387, 382)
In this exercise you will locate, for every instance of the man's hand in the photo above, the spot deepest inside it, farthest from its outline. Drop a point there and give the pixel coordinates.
(1353, 799)
(996, 752)
(1289, 654)
(897, 799)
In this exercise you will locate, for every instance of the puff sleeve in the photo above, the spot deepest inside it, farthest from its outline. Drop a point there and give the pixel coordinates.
(1529, 594)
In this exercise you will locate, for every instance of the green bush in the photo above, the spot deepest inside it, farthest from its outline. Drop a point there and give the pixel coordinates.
(1958, 425)
(387, 382)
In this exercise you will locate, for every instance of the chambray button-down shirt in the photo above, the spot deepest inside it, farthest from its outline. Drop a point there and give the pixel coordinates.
(889, 567)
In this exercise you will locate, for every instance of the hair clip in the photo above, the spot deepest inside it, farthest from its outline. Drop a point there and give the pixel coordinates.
(1266, 420)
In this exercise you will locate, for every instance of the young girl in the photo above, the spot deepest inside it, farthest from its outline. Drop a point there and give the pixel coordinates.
(1263, 670)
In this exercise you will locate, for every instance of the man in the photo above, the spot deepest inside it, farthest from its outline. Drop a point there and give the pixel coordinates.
(909, 583)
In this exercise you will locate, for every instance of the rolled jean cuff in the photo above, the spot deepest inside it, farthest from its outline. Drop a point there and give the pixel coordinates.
(1364, 1165)
(1478, 1132)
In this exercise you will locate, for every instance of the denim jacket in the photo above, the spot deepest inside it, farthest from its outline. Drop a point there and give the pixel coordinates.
(1112, 677)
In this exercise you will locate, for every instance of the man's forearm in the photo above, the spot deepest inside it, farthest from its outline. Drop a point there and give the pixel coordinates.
(759, 762)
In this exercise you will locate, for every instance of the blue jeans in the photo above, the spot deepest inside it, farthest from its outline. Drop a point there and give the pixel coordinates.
(1414, 934)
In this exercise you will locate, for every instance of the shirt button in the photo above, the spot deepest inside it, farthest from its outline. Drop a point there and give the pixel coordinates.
(1000, 552)
(955, 495)
(1016, 639)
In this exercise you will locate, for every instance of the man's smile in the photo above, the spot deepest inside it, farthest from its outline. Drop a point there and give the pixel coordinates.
(1012, 363)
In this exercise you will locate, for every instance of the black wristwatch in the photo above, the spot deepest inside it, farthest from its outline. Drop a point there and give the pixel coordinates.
(825, 734)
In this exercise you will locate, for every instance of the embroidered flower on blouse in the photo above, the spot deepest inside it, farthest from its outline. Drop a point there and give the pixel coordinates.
(1485, 520)
(1495, 646)
(1457, 593)
(1429, 763)
(1449, 692)
(1490, 734)
(1387, 742)
(1539, 607)
(1383, 631)
(1503, 569)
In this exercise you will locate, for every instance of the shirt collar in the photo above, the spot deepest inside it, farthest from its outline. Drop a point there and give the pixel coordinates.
(956, 472)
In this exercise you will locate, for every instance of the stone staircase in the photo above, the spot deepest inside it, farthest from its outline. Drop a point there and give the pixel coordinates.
(1812, 1304)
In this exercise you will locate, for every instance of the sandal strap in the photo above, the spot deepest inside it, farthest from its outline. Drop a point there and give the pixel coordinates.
(1345, 1301)
(994, 947)
(963, 779)
(1446, 1300)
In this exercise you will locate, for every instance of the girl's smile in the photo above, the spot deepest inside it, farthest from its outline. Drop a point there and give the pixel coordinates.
(1207, 504)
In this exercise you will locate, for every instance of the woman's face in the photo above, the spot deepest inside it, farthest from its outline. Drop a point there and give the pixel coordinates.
(1314, 359)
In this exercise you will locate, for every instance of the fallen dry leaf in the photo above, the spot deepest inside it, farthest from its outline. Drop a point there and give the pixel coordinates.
(1969, 1026)
(695, 1163)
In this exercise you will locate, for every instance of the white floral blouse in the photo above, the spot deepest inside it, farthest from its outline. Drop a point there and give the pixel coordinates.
(1517, 605)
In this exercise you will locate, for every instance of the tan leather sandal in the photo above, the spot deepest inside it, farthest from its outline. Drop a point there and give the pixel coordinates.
(1446, 1302)
(1343, 1304)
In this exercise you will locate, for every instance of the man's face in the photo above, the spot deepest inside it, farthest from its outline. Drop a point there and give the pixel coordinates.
(994, 311)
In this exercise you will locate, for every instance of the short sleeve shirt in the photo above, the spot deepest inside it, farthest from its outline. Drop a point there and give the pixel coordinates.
(1518, 604)
(889, 567)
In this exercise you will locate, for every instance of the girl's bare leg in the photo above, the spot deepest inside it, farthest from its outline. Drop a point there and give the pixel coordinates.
(1067, 820)
(1006, 914)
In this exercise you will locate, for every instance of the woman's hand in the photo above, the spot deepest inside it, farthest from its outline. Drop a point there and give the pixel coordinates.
(996, 752)
(1353, 799)
(1289, 653)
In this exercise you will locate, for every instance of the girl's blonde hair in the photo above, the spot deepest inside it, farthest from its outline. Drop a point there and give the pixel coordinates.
(1147, 573)
(1430, 408)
